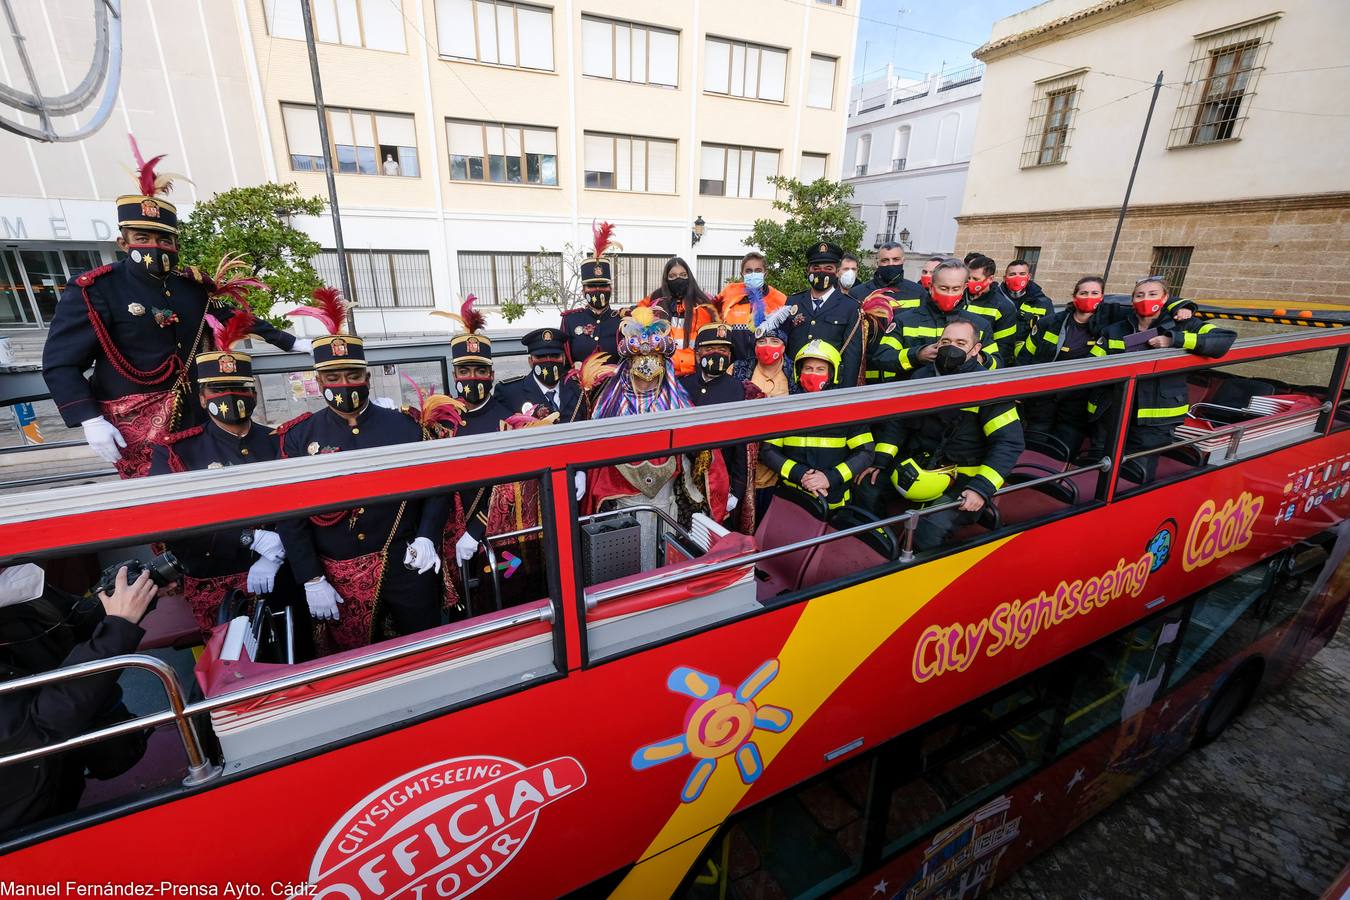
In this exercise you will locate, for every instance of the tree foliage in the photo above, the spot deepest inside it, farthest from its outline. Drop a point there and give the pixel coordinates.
(815, 212)
(551, 280)
(253, 222)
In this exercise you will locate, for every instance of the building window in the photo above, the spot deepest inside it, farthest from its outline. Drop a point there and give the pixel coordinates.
(900, 149)
(744, 70)
(496, 32)
(1221, 78)
(1171, 263)
(1053, 113)
(617, 162)
(626, 51)
(374, 24)
(892, 218)
(1031, 254)
(812, 167)
(714, 272)
(863, 152)
(364, 142)
(820, 86)
(382, 278)
(737, 172)
(637, 275)
(503, 154)
(495, 277)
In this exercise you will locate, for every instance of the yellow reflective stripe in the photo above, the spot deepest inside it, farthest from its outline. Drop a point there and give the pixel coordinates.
(1113, 344)
(814, 441)
(993, 363)
(998, 422)
(1005, 333)
(1029, 344)
(1091, 407)
(905, 362)
(1047, 336)
(890, 340)
(906, 303)
(842, 502)
(990, 474)
(872, 373)
(1097, 350)
(924, 331)
(859, 439)
(973, 409)
(1168, 412)
(777, 442)
(1209, 326)
(1188, 339)
(786, 469)
(844, 471)
(888, 449)
(989, 312)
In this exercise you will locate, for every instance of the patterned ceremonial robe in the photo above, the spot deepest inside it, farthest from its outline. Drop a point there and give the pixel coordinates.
(585, 332)
(740, 459)
(139, 333)
(349, 546)
(217, 562)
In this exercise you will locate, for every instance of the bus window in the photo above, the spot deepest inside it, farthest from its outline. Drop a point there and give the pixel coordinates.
(1117, 677)
(1294, 581)
(1223, 413)
(803, 843)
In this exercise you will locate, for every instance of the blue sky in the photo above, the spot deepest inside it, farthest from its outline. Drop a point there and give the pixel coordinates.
(968, 21)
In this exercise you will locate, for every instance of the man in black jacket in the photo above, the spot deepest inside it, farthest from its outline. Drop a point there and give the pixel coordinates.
(42, 629)
(1025, 295)
(544, 383)
(890, 279)
(825, 313)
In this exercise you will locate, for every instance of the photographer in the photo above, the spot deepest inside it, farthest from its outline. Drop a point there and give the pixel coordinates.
(42, 629)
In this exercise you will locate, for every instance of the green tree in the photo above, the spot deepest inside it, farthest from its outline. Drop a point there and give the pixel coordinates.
(815, 212)
(254, 222)
(551, 280)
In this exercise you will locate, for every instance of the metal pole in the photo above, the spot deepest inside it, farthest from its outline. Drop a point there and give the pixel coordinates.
(343, 273)
(1120, 222)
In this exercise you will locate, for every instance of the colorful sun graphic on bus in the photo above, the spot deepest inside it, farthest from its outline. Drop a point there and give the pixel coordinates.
(719, 723)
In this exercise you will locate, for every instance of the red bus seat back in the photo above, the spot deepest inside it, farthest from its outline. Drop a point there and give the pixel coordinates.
(786, 522)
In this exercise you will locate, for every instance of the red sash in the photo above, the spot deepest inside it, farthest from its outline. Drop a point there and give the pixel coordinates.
(204, 595)
(357, 581)
(144, 420)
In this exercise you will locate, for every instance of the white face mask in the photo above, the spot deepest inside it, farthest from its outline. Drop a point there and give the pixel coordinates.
(19, 584)
(847, 278)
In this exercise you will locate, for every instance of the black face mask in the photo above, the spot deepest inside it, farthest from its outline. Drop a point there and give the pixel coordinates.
(155, 260)
(713, 364)
(346, 398)
(598, 301)
(820, 281)
(890, 274)
(678, 286)
(232, 407)
(473, 391)
(949, 359)
(549, 372)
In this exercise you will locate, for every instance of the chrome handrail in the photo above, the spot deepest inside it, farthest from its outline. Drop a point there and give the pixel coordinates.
(595, 598)
(1234, 432)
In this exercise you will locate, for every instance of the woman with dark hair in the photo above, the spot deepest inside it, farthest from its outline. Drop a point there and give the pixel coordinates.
(676, 299)
(1067, 333)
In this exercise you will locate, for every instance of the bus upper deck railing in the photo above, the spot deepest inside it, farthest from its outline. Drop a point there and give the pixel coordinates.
(1233, 432)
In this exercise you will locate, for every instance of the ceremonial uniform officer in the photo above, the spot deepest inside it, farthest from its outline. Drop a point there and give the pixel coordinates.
(1160, 402)
(912, 340)
(544, 385)
(594, 326)
(1025, 296)
(137, 322)
(825, 313)
(364, 565)
(961, 454)
(232, 559)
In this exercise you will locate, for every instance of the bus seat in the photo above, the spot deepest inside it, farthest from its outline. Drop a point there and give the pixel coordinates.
(788, 519)
(1032, 465)
(990, 519)
(847, 556)
(1040, 443)
(170, 624)
(881, 540)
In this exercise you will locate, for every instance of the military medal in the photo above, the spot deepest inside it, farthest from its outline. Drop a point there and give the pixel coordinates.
(136, 309)
(313, 448)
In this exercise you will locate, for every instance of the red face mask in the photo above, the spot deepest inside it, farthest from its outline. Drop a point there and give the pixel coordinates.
(946, 302)
(1148, 307)
(768, 355)
(976, 288)
(1017, 283)
(926, 279)
(1086, 304)
(813, 381)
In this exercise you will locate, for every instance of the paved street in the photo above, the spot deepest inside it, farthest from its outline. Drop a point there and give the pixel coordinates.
(1264, 812)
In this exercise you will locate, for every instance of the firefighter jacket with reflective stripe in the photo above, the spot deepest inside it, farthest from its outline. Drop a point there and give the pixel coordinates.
(1060, 336)
(898, 349)
(840, 454)
(982, 442)
(1164, 400)
(1001, 313)
(1032, 306)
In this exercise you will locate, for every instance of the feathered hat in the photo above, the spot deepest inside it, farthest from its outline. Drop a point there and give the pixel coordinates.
(472, 346)
(596, 270)
(644, 333)
(226, 363)
(147, 210)
(438, 414)
(335, 349)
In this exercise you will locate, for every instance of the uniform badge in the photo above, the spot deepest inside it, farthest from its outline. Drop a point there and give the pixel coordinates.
(578, 330)
(313, 448)
(472, 345)
(227, 365)
(150, 209)
(548, 335)
(721, 331)
(823, 248)
(215, 465)
(136, 309)
(339, 347)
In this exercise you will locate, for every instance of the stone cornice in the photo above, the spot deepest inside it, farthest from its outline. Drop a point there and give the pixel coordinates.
(1083, 18)
(1334, 200)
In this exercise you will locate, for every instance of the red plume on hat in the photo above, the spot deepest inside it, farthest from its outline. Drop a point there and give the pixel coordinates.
(604, 238)
(436, 413)
(328, 307)
(472, 320)
(236, 288)
(878, 308)
(150, 182)
(233, 330)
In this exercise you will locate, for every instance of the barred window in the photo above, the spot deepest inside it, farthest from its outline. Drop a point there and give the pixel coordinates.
(1031, 254)
(1053, 114)
(636, 275)
(1171, 263)
(715, 271)
(1220, 82)
(496, 276)
(382, 278)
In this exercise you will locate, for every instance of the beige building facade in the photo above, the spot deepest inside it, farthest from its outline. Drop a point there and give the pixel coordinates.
(1242, 189)
(467, 134)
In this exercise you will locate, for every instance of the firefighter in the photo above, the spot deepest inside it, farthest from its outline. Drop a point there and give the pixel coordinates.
(1069, 333)
(594, 326)
(983, 300)
(1161, 402)
(1026, 297)
(824, 463)
(960, 455)
(889, 278)
(912, 340)
(825, 313)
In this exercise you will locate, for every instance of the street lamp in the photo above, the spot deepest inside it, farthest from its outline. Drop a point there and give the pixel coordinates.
(904, 238)
(697, 234)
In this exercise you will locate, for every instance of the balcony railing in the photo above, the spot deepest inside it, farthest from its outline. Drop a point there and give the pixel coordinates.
(860, 171)
(964, 75)
(898, 165)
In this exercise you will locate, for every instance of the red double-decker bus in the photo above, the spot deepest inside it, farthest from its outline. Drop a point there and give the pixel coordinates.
(814, 709)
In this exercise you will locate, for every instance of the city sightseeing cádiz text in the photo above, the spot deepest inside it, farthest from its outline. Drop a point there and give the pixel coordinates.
(155, 889)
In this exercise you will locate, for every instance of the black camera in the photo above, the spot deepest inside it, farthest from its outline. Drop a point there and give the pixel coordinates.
(164, 570)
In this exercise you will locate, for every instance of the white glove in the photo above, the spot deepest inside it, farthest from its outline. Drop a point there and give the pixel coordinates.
(386, 402)
(580, 481)
(732, 502)
(104, 437)
(422, 556)
(262, 575)
(268, 544)
(302, 345)
(323, 599)
(465, 548)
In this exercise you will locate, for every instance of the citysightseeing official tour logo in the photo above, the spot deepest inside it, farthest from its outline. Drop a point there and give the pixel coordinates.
(441, 831)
